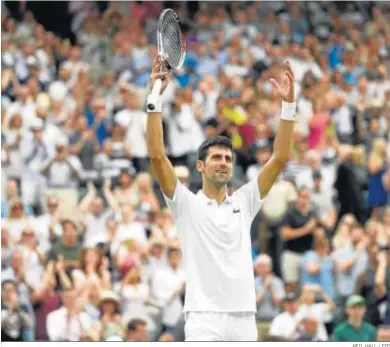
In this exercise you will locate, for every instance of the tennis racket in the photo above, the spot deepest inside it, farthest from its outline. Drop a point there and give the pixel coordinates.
(171, 46)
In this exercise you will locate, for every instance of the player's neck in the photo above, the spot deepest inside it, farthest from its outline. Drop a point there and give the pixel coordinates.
(215, 193)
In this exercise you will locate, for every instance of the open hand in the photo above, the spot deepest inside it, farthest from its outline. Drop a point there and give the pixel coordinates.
(286, 89)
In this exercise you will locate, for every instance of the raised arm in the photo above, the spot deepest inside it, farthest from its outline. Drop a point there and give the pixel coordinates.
(283, 140)
(160, 163)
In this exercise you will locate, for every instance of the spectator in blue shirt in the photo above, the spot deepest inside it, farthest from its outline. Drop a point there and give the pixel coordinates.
(317, 267)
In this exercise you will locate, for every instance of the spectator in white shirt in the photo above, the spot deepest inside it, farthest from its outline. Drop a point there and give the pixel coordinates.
(68, 323)
(16, 219)
(62, 173)
(47, 225)
(284, 325)
(134, 293)
(96, 217)
(63, 170)
(133, 119)
(323, 204)
(35, 152)
(167, 285)
(320, 311)
(13, 136)
(23, 106)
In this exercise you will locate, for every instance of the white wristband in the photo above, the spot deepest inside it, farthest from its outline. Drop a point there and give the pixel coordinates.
(158, 105)
(288, 111)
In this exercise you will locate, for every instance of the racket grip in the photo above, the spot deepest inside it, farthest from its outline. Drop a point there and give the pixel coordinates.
(154, 96)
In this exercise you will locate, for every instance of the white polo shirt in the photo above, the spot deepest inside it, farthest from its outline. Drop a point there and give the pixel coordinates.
(216, 247)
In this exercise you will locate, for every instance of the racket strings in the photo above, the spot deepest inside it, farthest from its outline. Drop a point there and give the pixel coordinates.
(173, 42)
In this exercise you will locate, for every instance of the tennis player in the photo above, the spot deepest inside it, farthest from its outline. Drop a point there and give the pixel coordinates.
(214, 228)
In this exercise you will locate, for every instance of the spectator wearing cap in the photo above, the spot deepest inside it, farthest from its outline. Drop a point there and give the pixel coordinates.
(269, 294)
(69, 322)
(62, 173)
(137, 331)
(284, 326)
(355, 329)
(67, 245)
(110, 323)
(323, 203)
(297, 232)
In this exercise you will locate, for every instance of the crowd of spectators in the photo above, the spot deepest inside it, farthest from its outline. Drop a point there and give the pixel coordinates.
(89, 251)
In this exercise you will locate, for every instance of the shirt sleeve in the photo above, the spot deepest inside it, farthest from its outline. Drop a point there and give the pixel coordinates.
(250, 198)
(180, 201)
(275, 330)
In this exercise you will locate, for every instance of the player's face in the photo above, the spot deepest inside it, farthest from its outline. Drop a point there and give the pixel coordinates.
(217, 168)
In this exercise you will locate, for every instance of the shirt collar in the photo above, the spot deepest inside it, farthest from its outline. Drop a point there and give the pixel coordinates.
(228, 199)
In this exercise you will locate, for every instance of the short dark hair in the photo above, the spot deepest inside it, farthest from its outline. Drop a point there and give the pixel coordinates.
(134, 323)
(221, 141)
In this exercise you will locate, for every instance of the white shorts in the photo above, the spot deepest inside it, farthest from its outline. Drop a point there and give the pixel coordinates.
(220, 326)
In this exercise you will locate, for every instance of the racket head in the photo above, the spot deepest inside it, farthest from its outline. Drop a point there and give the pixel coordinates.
(171, 42)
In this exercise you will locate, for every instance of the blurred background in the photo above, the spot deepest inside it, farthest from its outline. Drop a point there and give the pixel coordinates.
(89, 250)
